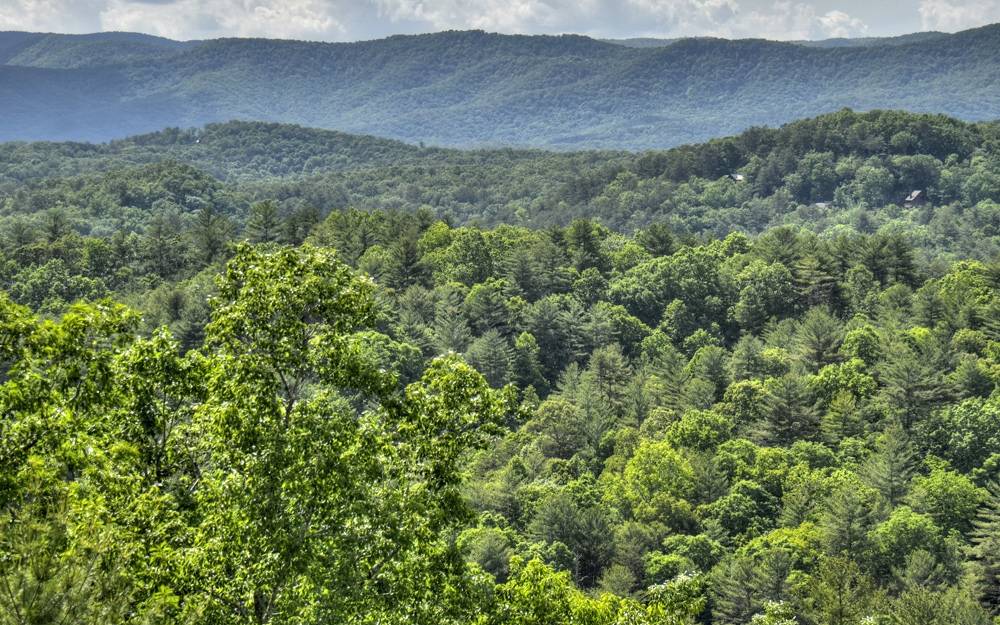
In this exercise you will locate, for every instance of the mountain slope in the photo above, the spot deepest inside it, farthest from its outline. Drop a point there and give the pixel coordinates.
(70, 51)
(835, 174)
(230, 151)
(473, 88)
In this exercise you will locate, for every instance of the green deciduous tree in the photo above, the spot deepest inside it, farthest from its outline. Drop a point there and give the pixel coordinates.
(291, 364)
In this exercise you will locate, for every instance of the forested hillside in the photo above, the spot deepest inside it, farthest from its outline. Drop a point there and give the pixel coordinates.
(787, 429)
(257, 373)
(474, 89)
(74, 51)
(840, 173)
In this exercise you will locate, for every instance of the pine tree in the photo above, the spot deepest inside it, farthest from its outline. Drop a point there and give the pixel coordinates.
(451, 331)
(163, 249)
(815, 284)
(55, 224)
(819, 337)
(781, 245)
(842, 419)
(771, 575)
(518, 268)
(527, 367)
(490, 354)
(914, 384)
(667, 379)
(789, 413)
(711, 482)
(297, 226)
(889, 258)
(848, 516)
(264, 224)
(407, 266)
(486, 307)
(585, 244)
(210, 233)
(610, 372)
(747, 360)
(925, 606)
(549, 268)
(735, 592)
(19, 232)
(922, 569)
(986, 550)
(351, 233)
(412, 327)
(839, 593)
(889, 470)
(991, 317)
(801, 502)
(657, 239)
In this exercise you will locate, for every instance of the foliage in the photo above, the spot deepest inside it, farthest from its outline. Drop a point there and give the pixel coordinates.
(389, 417)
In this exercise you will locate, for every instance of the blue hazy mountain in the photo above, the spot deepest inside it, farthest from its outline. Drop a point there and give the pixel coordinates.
(477, 89)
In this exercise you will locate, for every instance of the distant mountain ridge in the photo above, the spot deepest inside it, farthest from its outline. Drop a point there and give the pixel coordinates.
(472, 88)
(56, 51)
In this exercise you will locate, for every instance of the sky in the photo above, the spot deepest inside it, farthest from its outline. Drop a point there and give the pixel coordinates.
(352, 20)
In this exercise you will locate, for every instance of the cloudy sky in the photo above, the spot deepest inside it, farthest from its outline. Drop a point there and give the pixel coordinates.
(349, 20)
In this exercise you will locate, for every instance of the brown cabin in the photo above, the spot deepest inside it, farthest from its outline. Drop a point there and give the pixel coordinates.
(915, 198)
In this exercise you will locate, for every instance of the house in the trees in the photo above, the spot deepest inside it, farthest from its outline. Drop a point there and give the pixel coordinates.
(737, 177)
(915, 198)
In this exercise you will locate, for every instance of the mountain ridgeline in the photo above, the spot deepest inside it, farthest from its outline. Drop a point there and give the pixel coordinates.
(476, 89)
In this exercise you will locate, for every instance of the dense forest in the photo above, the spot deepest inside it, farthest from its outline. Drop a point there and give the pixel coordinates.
(255, 373)
(472, 89)
(174, 198)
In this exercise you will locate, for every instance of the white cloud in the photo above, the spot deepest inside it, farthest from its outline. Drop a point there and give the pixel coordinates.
(775, 19)
(50, 15)
(780, 19)
(840, 24)
(953, 15)
(363, 19)
(491, 15)
(696, 15)
(182, 19)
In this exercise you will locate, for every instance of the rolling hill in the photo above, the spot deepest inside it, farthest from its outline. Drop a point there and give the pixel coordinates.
(74, 51)
(841, 170)
(478, 89)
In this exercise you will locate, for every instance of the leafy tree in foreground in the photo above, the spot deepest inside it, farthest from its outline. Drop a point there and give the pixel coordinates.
(320, 474)
(288, 479)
